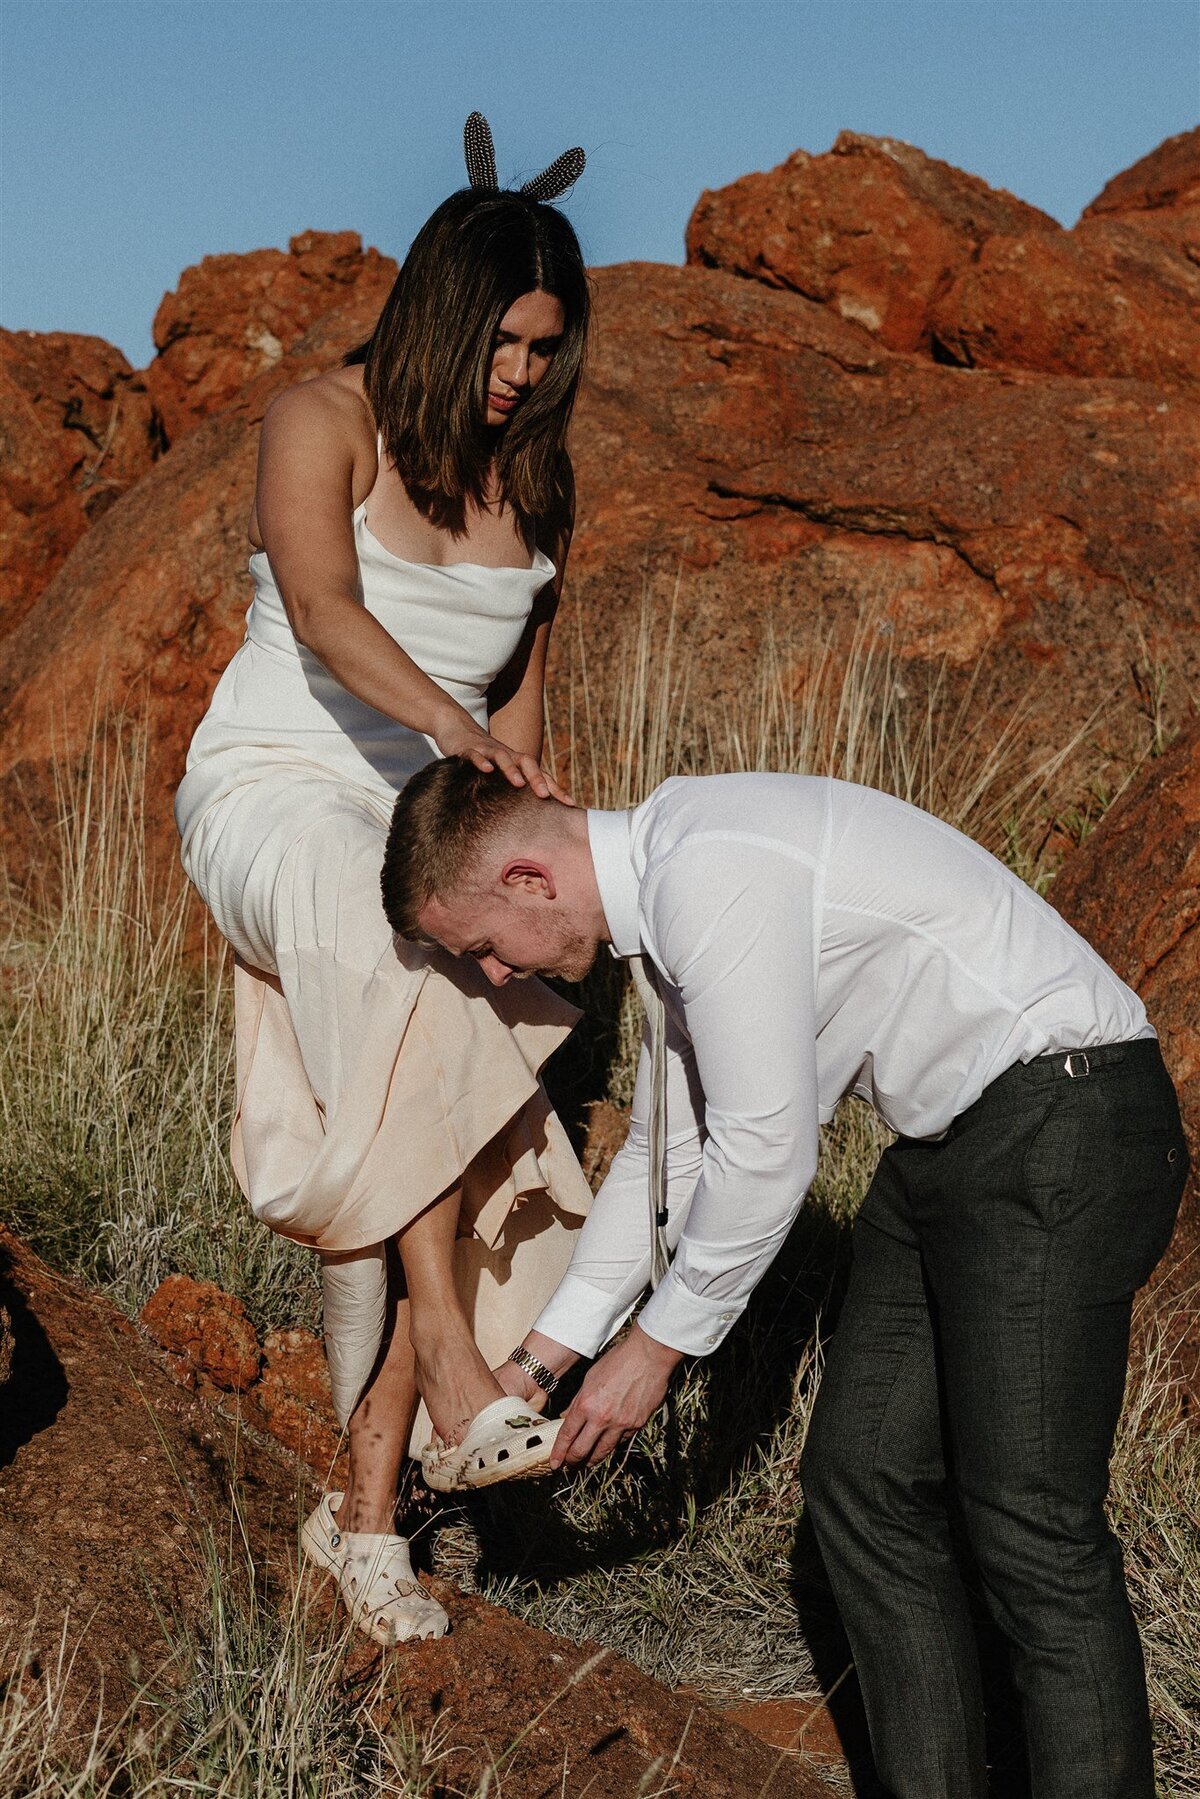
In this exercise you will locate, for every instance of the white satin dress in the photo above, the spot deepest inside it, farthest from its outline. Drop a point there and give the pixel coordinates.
(373, 1074)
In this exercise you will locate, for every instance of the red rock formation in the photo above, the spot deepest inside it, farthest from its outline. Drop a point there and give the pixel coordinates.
(205, 1329)
(933, 260)
(875, 229)
(796, 471)
(1133, 889)
(176, 548)
(1160, 195)
(1104, 299)
(77, 428)
(233, 318)
(781, 457)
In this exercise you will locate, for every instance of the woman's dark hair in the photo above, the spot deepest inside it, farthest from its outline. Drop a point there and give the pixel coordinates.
(426, 365)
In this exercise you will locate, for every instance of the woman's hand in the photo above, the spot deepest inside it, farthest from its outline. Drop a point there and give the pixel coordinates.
(461, 736)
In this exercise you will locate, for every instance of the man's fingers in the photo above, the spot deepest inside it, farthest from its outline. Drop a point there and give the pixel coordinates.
(567, 1447)
(608, 1441)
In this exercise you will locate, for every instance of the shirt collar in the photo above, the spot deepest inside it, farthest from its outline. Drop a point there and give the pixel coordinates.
(616, 878)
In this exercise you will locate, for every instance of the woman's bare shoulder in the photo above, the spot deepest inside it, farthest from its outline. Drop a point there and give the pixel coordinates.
(331, 404)
(317, 437)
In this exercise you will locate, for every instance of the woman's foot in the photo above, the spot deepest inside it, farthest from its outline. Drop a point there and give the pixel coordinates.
(454, 1381)
(374, 1576)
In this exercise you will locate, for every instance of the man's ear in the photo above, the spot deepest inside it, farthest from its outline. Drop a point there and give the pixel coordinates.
(525, 875)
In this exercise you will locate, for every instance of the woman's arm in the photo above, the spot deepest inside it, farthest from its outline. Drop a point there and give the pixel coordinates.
(516, 701)
(315, 439)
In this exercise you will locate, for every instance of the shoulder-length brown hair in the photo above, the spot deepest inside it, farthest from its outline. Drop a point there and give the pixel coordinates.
(427, 363)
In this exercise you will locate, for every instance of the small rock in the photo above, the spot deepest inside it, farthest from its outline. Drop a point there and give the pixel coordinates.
(294, 1400)
(206, 1328)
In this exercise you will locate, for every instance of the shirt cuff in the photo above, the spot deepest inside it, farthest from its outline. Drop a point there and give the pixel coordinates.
(675, 1316)
(580, 1316)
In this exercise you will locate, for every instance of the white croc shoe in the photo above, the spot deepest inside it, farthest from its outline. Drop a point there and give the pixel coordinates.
(503, 1442)
(375, 1578)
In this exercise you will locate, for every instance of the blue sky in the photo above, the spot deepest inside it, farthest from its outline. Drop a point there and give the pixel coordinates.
(138, 135)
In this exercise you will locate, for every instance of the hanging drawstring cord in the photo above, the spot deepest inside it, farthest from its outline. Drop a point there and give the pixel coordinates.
(656, 1014)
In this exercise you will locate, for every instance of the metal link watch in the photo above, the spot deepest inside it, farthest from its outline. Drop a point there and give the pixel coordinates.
(537, 1371)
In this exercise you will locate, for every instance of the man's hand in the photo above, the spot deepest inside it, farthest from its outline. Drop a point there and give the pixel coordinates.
(554, 1356)
(626, 1386)
(520, 1385)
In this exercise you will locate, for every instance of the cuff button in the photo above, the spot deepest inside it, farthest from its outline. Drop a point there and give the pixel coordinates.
(712, 1340)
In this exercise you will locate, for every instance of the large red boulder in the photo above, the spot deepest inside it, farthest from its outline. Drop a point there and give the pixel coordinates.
(1104, 299)
(77, 427)
(874, 228)
(1160, 195)
(780, 467)
(771, 460)
(233, 318)
(933, 260)
(1133, 889)
(150, 607)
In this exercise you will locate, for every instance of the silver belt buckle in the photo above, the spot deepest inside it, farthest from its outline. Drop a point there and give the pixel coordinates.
(1077, 1074)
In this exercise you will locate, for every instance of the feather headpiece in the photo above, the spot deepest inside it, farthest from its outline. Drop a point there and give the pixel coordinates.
(481, 164)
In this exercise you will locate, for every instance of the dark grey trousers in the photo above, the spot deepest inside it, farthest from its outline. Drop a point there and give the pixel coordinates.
(977, 1370)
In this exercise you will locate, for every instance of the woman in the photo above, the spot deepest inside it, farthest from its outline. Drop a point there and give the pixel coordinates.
(386, 1096)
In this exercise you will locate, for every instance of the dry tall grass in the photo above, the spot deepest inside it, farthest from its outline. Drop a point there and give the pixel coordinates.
(116, 1065)
(115, 1091)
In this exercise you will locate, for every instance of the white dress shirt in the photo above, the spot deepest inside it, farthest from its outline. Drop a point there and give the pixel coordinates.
(812, 938)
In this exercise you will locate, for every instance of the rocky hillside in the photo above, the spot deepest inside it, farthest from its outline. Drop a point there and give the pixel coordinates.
(880, 392)
(118, 1484)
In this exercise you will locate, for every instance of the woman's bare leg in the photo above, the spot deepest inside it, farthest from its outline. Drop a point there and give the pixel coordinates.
(431, 1352)
(378, 1434)
(452, 1377)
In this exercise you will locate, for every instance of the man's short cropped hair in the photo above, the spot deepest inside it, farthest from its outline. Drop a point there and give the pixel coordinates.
(441, 820)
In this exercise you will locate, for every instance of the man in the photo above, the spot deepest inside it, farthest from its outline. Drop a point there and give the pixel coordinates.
(811, 939)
